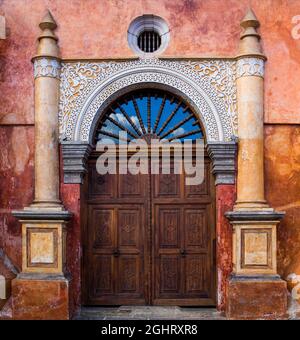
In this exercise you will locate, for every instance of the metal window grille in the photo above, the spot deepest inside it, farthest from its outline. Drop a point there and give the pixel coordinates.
(149, 41)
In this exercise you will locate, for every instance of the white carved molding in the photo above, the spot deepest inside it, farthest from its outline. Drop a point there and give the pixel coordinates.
(2, 288)
(250, 67)
(2, 28)
(47, 67)
(87, 88)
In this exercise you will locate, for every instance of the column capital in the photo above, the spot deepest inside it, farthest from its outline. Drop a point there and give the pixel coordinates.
(250, 38)
(250, 66)
(46, 67)
(223, 156)
(75, 155)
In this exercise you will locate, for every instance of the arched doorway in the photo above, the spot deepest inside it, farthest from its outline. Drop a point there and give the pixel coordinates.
(148, 238)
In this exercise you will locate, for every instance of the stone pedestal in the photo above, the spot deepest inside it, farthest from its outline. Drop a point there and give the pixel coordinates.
(255, 291)
(40, 297)
(254, 242)
(256, 298)
(43, 241)
(41, 289)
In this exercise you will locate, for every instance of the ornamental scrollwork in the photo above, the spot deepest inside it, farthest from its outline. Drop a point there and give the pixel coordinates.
(75, 77)
(222, 76)
(210, 85)
(250, 67)
(47, 67)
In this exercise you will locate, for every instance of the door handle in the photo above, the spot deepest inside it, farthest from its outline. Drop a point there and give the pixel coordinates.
(183, 252)
(116, 252)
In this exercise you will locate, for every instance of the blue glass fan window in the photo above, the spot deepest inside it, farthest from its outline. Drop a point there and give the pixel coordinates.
(150, 113)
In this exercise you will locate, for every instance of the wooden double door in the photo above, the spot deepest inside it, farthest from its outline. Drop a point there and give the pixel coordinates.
(148, 239)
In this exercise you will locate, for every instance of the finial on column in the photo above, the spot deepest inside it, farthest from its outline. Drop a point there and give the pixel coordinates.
(48, 40)
(250, 24)
(250, 38)
(48, 24)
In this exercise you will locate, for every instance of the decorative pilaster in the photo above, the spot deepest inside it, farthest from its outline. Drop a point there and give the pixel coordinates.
(47, 81)
(223, 156)
(42, 282)
(250, 97)
(254, 222)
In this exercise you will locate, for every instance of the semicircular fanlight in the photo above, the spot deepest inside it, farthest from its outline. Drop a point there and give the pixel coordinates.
(149, 114)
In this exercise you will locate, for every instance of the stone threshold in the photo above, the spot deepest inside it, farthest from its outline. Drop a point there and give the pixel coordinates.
(149, 313)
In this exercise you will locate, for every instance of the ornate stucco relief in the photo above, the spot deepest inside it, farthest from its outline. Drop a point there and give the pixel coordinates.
(47, 67)
(209, 85)
(250, 67)
(222, 76)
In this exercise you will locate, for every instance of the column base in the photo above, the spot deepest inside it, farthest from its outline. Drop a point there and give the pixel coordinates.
(45, 206)
(253, 298)
(40, 298)
(252, 206)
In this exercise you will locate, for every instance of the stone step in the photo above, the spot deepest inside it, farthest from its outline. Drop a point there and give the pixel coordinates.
(148, 313)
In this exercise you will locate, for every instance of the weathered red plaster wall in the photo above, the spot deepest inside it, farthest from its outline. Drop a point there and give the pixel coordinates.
(282, 163)
(98, 29)
(225, 198)
(16, 190)
(70, 194)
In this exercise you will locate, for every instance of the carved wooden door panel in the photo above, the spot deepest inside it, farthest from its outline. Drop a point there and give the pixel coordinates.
(114, 257)
(148, 240)
(183, 247)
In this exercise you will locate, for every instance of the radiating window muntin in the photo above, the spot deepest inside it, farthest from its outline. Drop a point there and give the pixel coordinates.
(150, 113)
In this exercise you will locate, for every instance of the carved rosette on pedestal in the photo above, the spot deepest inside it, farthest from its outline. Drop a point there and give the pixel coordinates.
(255, 289)
(42, 281)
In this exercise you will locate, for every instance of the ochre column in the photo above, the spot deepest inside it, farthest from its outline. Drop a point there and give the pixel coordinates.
(47, 79)
(250, 97)
(255, 290)
(41, 289)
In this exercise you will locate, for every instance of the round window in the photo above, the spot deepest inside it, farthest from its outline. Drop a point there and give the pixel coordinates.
(148, 35)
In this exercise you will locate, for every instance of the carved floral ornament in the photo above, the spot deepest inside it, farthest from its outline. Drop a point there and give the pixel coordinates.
(46, 67)
(250, 67)
(208, 85)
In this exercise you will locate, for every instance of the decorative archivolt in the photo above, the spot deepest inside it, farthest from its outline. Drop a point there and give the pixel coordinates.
(88, 87)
